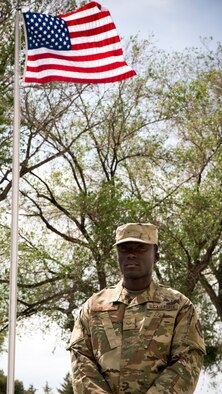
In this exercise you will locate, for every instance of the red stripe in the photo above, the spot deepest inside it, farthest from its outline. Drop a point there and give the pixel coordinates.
(60, 78)
(106, 67)
(92, 32)
(84, 8)
(89, 18)
(97, 44)
(97, 56)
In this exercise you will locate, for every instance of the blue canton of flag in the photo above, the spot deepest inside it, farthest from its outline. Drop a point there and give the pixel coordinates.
(46, 31)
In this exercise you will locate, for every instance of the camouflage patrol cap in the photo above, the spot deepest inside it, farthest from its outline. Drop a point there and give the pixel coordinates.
(145, 233)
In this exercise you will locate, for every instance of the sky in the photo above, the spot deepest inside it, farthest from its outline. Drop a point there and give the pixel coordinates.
(176, 24)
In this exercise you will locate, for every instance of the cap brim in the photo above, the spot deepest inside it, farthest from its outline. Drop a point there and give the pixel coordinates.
(121, 241)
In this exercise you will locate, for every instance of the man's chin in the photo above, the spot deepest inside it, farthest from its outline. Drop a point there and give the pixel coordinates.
(131, 274)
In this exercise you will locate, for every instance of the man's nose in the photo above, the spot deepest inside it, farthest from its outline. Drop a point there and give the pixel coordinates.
(131, 254)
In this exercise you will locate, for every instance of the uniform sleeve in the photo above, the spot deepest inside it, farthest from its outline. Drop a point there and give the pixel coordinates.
(187, 352)
(86, 377)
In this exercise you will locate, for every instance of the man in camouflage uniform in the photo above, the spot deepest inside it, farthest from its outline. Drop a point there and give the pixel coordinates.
(138, 336)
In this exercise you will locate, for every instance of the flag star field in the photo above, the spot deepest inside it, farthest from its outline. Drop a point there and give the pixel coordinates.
(47, 31)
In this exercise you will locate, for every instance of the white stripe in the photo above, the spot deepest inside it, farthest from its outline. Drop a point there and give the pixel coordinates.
(92, 63)
(91, 25)
(70, 74)
(82, 14)
(79, 52)
(96, 38)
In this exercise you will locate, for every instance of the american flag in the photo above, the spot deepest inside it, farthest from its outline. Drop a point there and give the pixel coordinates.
(82, 46)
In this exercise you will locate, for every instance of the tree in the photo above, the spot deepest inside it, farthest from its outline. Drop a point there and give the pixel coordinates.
(193, 216)
(47, 389)
(31, 390)
(66, 386)
(3, 382)
(187, 175)
(19, 388)
(85, 193)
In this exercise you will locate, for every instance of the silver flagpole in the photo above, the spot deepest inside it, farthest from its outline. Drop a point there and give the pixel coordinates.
(15, 210)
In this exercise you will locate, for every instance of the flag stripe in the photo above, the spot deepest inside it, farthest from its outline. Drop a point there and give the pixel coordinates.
(81, 14)
(69, 63)
(43, 76)
(100, 39)
(92, 57)
(86, 20)
(93, 32)
(89, 9)
(35, 53)
(92, 53)
(61, 78)
(67, 67)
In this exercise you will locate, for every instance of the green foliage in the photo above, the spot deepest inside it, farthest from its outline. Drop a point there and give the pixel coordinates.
(47, 389)
(66, 386)
(31, 390)
(19, 388)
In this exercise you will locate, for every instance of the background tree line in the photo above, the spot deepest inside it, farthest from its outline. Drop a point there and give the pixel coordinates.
(95, 157)
(66, 386)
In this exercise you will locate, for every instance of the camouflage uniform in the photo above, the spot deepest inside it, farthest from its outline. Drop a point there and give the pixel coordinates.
(149, 344)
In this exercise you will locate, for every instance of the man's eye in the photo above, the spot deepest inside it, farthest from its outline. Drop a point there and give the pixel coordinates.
(142, 249)
(137, 250)
(121, 248)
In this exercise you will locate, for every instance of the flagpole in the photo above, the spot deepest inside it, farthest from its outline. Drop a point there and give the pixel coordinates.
(15, 211)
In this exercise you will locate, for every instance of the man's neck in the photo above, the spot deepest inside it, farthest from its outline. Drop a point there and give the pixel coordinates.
(136, 284)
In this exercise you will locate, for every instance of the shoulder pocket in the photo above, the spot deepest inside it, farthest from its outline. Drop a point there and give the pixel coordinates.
(113, 339)
(104, 337)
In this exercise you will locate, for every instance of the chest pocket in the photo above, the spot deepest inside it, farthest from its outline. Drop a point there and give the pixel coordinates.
(156, 330)
(105, 334)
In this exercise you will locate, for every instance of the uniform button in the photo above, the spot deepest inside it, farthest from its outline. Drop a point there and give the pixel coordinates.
(145, 347)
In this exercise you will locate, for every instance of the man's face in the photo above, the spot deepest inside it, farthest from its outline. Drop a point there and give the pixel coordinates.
(136, 260)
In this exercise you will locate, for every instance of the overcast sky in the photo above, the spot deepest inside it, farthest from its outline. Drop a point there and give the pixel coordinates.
(176, 24)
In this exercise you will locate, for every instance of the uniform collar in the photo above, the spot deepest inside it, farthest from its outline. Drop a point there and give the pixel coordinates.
(150, 294)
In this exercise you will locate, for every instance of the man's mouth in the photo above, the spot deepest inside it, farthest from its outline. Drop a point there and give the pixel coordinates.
(131, 265)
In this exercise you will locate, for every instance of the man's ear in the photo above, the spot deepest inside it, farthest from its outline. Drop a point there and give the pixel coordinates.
(156, 257)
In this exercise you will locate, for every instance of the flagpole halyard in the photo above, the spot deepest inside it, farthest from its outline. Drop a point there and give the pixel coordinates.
(15, 211)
